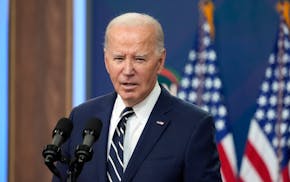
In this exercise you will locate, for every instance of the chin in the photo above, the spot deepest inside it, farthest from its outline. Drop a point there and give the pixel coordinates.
(127, 96)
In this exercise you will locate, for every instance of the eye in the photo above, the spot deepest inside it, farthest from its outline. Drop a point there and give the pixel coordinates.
(118, 58)
(140, 59)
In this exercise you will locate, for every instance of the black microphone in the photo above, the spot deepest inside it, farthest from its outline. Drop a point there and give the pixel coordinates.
(60, 134)
(62, 131)
(52, 152)
(91, 133)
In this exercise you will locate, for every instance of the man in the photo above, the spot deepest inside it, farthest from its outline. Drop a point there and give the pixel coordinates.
(165, 139)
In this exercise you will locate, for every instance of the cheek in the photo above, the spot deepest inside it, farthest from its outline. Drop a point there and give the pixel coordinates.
(112, 70)
(113, 76)
(147, 75)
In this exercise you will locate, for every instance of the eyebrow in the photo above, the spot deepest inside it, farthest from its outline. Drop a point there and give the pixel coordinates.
(116, 53)
(135, 55)
(142, 55)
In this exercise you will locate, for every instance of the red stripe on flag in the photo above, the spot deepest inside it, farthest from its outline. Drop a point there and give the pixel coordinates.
(285, 174)
(257, 162)
(240, 179)
(225, 165)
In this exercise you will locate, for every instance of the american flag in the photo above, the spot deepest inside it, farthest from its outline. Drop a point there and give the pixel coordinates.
(202, 85)
(266, 156)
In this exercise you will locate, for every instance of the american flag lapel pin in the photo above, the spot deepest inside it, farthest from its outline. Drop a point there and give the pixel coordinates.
(161, 123)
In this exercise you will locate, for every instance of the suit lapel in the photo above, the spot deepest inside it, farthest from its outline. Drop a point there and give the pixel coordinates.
(100, 148)
(156, 125)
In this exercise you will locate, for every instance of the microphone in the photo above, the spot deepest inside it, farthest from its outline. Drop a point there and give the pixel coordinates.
(91, 133)
(60, 134)
(61, 131)
(52, 152)
(84, 152)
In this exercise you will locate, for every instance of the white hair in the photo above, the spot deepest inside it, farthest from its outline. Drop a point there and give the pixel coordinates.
(137, 19)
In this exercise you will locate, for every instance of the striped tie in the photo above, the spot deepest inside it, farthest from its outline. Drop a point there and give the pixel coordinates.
(115, 159)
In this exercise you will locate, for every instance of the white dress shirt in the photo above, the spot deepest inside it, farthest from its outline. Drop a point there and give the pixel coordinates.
(135, 123)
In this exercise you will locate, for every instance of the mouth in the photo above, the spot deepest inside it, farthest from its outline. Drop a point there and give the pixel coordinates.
(128, 86)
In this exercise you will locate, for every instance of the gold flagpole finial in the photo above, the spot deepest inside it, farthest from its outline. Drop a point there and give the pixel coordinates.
(207, 8)
(283, 8)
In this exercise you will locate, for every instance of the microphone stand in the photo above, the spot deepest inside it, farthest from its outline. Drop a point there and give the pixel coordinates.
(75, 169)
(83, 154)
(51, 154)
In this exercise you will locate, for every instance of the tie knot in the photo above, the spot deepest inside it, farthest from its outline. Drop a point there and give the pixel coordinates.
(127, 112)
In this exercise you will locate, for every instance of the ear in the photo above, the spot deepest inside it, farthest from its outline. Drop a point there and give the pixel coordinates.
(161, 61)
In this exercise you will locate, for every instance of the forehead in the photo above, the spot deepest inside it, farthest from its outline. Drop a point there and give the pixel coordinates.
(126, 34)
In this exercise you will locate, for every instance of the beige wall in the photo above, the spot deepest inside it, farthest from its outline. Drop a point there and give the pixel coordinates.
(40, 81)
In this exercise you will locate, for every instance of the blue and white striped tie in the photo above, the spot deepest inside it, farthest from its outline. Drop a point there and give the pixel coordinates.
(115, 166)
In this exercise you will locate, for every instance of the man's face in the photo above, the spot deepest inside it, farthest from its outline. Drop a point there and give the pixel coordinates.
(132, 61)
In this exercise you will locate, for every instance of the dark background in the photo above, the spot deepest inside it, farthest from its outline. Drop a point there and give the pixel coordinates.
(245, 35)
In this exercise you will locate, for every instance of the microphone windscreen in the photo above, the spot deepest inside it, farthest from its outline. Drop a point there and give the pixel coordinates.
(94, 125)
(65, 126)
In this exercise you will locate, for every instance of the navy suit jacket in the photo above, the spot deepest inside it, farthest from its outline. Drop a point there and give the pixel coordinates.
(181, 149)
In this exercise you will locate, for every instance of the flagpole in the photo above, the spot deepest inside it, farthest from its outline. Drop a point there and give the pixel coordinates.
(200, 59)
(280, 99)
(283, 9)
(206, 13)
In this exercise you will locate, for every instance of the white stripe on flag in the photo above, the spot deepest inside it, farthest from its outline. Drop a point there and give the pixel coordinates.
(265, 149)
(228, 145)
(248, 172)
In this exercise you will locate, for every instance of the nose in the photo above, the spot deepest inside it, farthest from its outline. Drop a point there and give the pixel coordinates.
(128, 67)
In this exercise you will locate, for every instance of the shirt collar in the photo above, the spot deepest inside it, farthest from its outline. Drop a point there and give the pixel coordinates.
(144, 107)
